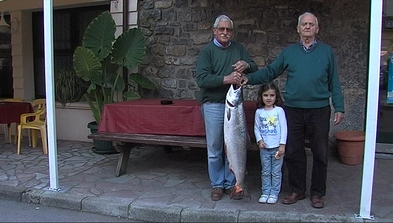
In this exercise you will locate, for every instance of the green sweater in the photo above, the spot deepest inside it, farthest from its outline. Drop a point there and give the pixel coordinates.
(312, 77)
(213, 64)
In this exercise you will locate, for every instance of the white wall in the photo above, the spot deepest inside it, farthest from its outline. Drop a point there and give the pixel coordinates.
(71, 121)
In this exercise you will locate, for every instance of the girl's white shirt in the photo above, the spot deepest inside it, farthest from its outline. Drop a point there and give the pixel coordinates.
(271, 126)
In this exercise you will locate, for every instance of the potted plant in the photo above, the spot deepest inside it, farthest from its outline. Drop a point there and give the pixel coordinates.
(350, 146)
(101, 59)
(68, 86)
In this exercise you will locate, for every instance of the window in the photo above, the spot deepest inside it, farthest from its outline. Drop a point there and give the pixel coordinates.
(6, 81)
(69, 25)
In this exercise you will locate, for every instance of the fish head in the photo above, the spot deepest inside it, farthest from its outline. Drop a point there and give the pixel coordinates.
(234, 96)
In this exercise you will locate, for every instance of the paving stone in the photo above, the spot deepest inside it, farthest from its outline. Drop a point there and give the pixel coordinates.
(175, 187)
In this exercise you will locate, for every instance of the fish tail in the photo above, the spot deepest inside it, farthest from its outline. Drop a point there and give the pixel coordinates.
(237, 193)
(238, 189)
(243, 192)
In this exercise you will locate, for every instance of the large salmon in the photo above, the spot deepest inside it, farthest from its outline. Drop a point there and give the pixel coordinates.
(236, 137)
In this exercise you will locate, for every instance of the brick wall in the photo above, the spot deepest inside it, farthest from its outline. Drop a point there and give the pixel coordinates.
(178, 29)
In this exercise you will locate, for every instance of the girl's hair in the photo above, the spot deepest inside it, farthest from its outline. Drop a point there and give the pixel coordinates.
(265, 87)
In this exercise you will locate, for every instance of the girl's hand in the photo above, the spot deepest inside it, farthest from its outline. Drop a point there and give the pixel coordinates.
(261, 144)
(280, 152)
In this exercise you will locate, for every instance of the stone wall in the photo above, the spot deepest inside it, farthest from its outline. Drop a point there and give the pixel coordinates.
(178, 29)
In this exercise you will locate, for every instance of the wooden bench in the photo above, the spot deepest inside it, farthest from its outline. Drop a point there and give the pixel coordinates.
(137, 139)
(129, 140)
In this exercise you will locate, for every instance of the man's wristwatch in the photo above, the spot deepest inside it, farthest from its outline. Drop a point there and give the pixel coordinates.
(247, 66)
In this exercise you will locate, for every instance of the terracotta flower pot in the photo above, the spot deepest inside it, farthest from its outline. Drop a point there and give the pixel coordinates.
(350, 146)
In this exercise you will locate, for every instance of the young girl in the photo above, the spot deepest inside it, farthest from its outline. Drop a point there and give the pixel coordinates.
(270, 130)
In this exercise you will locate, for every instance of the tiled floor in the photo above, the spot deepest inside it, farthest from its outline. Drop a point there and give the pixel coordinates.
(180, 179)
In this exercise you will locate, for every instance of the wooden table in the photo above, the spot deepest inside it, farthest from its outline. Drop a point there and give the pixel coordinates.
(149, 116)
(147, 121)
(10, 112)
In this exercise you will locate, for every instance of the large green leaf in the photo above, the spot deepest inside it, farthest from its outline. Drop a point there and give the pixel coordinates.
(129, 48)
(100, 34)
(92, 87)
(142, 81)
(129, 95)
(86, 64)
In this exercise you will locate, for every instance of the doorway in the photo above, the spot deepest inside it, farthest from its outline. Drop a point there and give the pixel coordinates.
(6, 80)
(385, 110)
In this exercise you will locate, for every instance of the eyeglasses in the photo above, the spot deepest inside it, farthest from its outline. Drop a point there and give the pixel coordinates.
(222, 29)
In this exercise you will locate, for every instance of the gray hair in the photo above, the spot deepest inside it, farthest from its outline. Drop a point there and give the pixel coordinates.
(304, 14)
(222, 18)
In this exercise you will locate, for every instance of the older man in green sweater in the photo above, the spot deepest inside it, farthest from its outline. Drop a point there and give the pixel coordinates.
(312, 79)
(218, 63)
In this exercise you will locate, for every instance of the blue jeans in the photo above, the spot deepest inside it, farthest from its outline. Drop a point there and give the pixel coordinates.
(218, 166)
(271, 174)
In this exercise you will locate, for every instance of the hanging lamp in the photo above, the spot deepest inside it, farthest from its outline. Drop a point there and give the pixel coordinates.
(4, 26)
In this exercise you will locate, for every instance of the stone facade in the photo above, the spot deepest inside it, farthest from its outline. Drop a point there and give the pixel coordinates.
(177, 29)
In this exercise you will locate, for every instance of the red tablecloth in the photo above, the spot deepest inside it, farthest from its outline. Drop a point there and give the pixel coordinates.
(10, 111)
(149, 116)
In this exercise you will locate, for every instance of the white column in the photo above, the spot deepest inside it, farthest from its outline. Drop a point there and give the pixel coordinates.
(372, 109)
(50, 94)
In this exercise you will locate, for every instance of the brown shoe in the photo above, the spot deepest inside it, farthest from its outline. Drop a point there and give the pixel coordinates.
(232, 193)
(316, 202)
(216, 194)
(293, 198)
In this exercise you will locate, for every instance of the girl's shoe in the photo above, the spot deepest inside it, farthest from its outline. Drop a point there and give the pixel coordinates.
(272, 199)
(263, 199)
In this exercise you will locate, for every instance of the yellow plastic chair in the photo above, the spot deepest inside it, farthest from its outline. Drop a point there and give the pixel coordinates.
(37, 104)
(7, 127)
(39, 123)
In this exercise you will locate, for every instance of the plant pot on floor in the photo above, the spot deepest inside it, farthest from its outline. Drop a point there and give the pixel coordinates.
(350, 146)
(101, 146)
